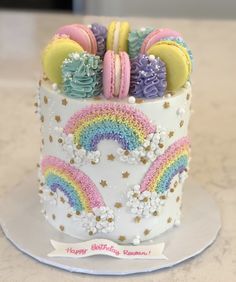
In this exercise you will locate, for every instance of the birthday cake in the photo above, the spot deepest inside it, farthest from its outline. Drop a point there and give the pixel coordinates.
(114, 105)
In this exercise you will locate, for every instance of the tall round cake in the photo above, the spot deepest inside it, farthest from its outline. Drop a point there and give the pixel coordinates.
(115, 147)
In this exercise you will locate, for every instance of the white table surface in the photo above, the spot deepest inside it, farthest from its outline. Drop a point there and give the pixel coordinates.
(22, 37)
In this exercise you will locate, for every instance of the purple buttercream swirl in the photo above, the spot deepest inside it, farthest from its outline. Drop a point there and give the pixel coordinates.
(100, 33)
(148, 77)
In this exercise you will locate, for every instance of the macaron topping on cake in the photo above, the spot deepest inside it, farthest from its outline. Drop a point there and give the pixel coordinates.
(177, 60)
(157, 35)
(54, 55)
(117, 36)
(80, 34)
(116, 74)
(115, 107)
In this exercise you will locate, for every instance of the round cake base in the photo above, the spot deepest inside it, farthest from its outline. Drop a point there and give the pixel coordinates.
(25, 226)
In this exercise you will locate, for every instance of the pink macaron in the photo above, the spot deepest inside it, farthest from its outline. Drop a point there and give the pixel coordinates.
(80, 34)
(156, 36)
(116, 74)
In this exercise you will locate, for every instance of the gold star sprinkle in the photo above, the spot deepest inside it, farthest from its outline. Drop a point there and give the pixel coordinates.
(72, 161)
(126, 152)
(161, 145)
(169, 220)
(60, 140)
(137, 219)
(62, 200)
(146, 232)
(44, 77)
(148, 148)
(40, 191)
(118, 205)
(43, 141)
(40, 82)
(77, 213)
(64, 102)
(177, 199)
(97, 97)
(98, 218)
(103, 183)
(143, 160)
(166, 105)
(62, 227)
(42, 118)
(57, 118)
(121, 238)
(139, 101)
(90, 233)
(69, 215)
(188, 96)
(110, 157)
(171, 134)
(50, 138)
(53, 216)
(110, 219)
(175, 184)
(155, 213)
(181, 123)
(45, 99)
(125, 174)
(37, 165)
(172, 190)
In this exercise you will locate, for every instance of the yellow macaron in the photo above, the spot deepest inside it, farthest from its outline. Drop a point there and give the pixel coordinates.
(54, 54)
(177, 60)
(117, 36)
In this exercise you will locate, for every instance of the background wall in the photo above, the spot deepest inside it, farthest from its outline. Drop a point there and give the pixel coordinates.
(160, 8)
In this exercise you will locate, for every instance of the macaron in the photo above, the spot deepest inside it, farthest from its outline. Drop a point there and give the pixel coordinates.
(100, 33)
(54, 54)
(116, 74)
(177, 61)
(135, 40)
(156, 36)
(180, 41)
(81, 34)
(117, 36)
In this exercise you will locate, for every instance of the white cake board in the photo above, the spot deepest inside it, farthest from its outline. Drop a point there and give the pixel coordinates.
(25, 226)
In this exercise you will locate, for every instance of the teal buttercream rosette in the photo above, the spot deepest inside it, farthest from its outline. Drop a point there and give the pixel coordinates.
(135, 40)
(82, 75)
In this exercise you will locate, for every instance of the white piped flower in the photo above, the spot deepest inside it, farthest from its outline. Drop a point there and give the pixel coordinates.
(100, 220)
(144, 203)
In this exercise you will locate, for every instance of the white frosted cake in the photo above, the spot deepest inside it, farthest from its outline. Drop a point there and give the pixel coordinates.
(112, 165)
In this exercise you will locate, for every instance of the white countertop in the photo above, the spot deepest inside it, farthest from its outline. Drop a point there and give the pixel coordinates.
(212, 130)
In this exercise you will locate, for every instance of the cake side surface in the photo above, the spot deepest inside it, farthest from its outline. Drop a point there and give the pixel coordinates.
(101, 161)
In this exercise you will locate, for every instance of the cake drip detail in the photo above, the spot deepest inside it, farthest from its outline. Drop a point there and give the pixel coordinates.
(83, 197)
